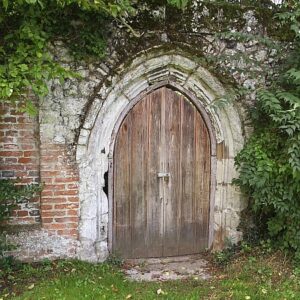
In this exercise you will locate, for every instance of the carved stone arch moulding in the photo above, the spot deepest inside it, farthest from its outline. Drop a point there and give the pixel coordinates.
(147, 72)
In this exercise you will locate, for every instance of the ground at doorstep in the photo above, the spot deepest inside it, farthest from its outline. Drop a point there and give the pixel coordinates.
(169, 268)
(252, 275)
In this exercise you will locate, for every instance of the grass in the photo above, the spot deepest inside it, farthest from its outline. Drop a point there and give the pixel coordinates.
(254, 275)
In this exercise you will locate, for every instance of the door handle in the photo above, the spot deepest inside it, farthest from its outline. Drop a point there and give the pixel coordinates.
(163, 174)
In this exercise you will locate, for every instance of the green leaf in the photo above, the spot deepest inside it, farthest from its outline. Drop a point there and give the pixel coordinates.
(5, 4)
(31, 1)
(181, 4)
(30, 108)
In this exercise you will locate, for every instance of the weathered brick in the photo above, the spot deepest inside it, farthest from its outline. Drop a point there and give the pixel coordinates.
(48, 221)
(56, 187)
(68, 232)
(50, 225)
(22, 213)
(10, 120)
(46, 207)
(73, 199)
(11, 160)
(67, 180)
(72, 212)
(52, 213)
(66, 192)
(30, 153)
(8, 174)
(54, 200)
(11, 153)
(66, 220)
(34, 213)
(68, 206)
(25, 160)
(72, 186)
(46, 193)
(11, 133)
(12, 167)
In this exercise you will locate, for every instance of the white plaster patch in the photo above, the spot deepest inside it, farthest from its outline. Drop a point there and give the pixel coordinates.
(34, 244)
(135, 89)
(183, 62)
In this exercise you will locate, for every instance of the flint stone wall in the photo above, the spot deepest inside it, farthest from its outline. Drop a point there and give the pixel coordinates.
(77, 120)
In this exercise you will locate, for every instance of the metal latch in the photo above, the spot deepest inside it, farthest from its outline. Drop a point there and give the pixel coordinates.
(163, 174)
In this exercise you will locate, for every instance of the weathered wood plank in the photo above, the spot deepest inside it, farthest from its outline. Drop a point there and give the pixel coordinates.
(202, 183)
(138, 180)
(173, 166)
(187, 234)
(155, 205)
(122, 186)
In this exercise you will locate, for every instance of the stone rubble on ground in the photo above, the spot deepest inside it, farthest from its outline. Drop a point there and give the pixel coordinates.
(169, 268)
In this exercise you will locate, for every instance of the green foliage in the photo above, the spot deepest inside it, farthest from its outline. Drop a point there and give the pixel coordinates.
(10, 194)
(224, 257)
(269, 164)
(115, 260)
(181, 4)
(27, 28)
(255, 276)
(25, 66)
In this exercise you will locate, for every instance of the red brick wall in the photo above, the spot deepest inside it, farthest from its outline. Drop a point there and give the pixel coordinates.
(59, 202)
(23, 156)
(19, 157)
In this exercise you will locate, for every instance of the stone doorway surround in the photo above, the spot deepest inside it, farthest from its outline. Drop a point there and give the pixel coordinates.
(148, 70)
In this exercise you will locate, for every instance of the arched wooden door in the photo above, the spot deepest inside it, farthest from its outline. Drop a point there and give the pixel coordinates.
(161, 190)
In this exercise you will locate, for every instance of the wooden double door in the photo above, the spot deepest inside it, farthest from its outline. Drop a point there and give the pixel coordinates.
(161, 180)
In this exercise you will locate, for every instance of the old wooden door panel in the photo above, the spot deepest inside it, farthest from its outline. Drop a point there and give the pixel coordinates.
(201, 183)
(138, 155)
(138, 178)
(122, 182)
(172, 187)
(165, 216)
(154, 205)
(186, 230)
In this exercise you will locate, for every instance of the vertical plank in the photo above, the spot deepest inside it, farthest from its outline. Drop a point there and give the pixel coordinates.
(187, 234)
(202, 183)
(138, 162)
(206, 162)
(121, 206)
(172, 187)
(154, 203)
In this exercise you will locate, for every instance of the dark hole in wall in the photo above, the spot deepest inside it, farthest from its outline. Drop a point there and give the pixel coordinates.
(105, 188)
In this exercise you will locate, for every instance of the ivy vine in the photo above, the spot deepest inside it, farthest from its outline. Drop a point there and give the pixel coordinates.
(269, 164)
(11, 193)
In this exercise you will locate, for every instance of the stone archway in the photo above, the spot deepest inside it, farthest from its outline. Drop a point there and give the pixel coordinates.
(97, 135)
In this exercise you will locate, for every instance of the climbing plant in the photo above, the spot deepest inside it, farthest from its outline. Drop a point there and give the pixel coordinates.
(12, 192)
(27, 28)
(269, 164)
